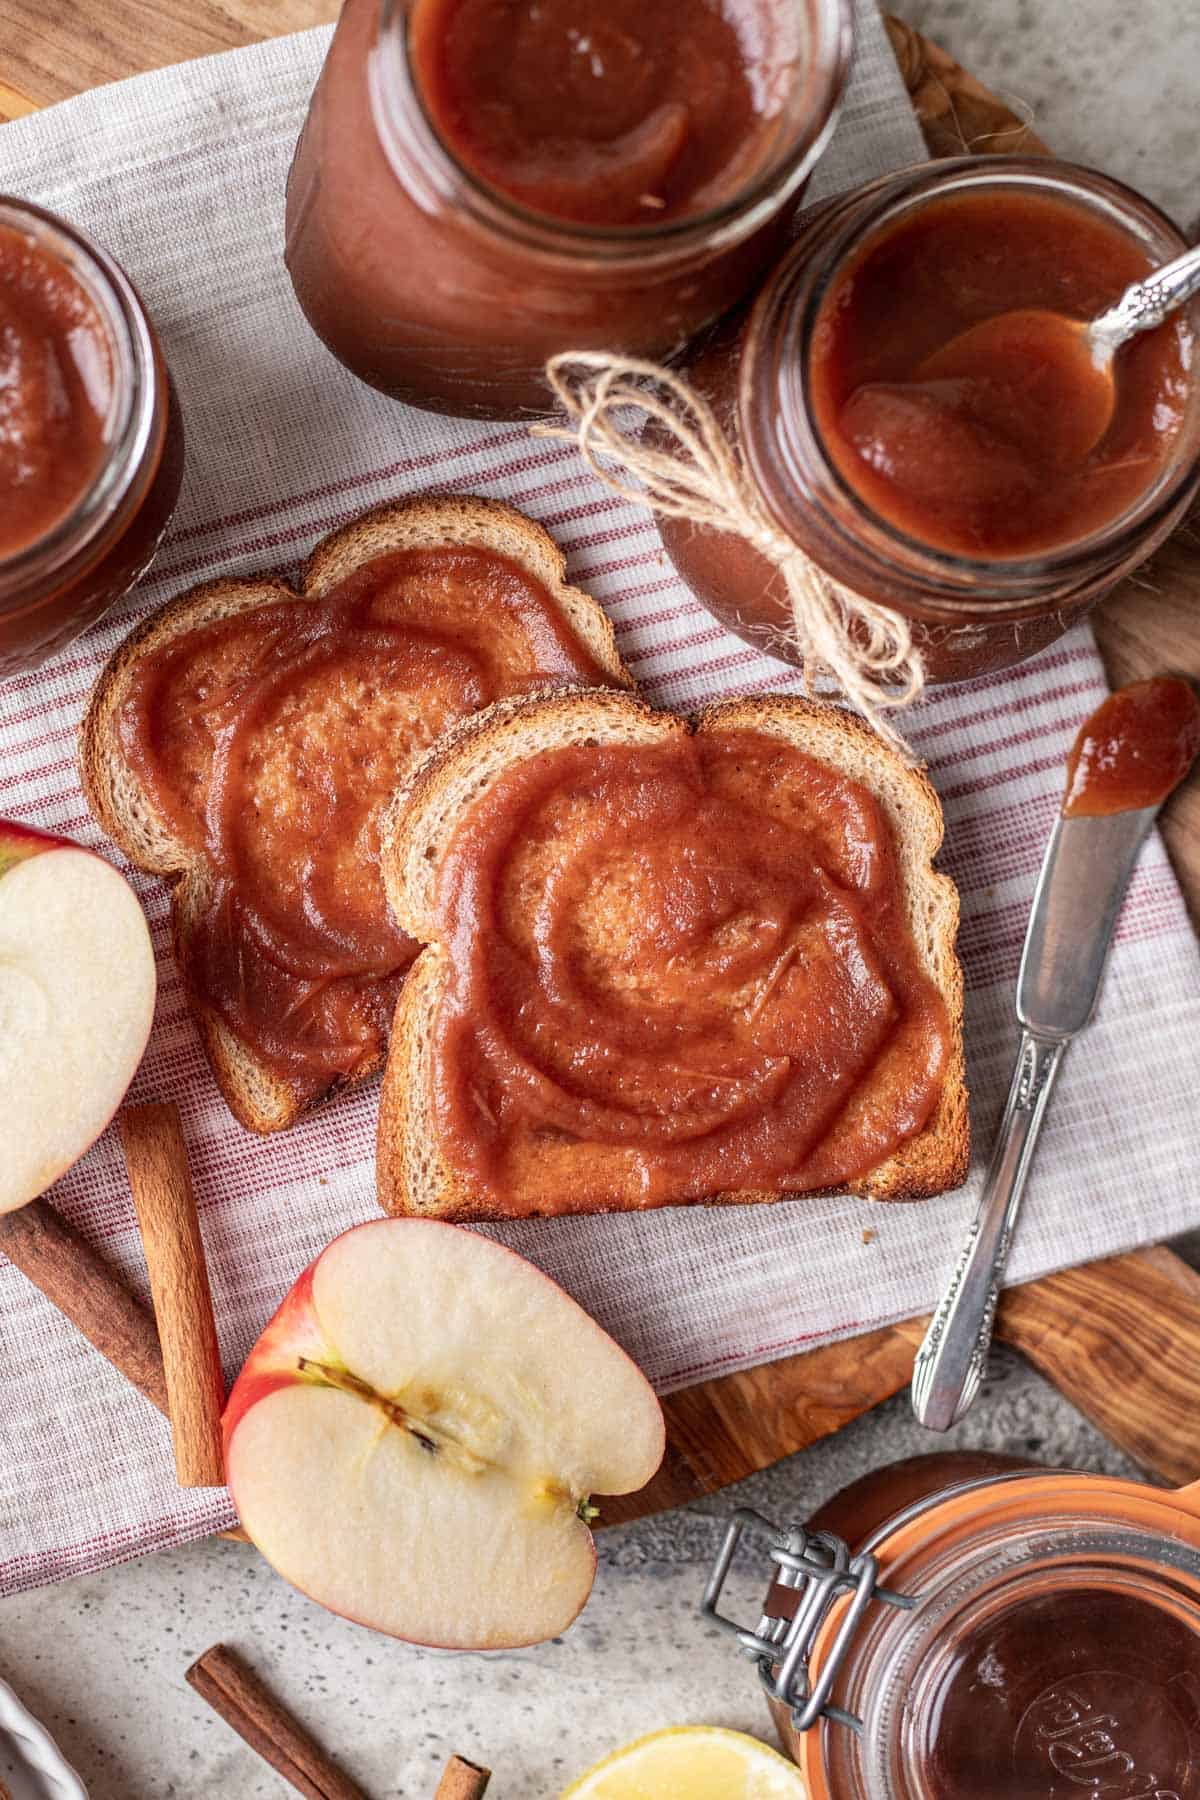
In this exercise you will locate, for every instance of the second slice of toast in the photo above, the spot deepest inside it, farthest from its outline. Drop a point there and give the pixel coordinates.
(611, 1002)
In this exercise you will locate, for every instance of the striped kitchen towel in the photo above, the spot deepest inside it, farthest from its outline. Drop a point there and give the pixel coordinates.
(181, 175)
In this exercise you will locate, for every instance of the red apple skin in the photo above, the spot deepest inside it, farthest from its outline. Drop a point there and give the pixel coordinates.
(19, 842)
(291, 1333)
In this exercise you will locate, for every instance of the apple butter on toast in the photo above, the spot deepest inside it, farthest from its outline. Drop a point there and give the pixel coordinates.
(669, 962)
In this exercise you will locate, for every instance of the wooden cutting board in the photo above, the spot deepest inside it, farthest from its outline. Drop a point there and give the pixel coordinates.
(1120, 1338)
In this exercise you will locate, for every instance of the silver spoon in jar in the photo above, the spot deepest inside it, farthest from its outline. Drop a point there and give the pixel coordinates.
(1080, 351)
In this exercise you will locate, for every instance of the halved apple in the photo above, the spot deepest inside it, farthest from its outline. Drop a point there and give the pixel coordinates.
(414, 1438)
(77, 987)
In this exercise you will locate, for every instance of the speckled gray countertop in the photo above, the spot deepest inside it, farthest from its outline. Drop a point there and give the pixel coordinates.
(101, 1659)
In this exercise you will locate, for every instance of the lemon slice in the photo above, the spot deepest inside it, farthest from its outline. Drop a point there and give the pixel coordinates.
(691, 1762)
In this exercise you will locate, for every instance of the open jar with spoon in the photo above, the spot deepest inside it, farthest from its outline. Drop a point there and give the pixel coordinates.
(987, 481)
(961, 1626)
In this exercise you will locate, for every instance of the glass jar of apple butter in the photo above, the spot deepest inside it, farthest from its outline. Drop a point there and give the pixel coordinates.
(478, 186)
(991, 1630)
(967, 484)
(91, 445)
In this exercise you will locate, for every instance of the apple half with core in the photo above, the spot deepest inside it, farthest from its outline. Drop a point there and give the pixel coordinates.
(415, 1436)
(77, 987)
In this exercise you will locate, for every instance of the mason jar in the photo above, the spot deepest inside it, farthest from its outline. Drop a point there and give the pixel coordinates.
(441, 290)
(65, 577)
(970, 613)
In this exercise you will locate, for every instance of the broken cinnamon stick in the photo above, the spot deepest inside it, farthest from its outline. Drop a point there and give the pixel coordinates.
(83, 1287)
(156, 1158)
(462, 1780)
(243, 1700)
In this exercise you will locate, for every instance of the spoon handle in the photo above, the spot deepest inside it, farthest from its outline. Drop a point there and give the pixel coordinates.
(950, 1363)
(1147, 303)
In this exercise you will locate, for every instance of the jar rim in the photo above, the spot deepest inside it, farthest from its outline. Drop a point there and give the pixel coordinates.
(397, 104)
(132, 410)
(787, 312)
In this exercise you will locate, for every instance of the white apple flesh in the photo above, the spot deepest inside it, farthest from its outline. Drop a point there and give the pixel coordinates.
(413, 1439)
(77, 987)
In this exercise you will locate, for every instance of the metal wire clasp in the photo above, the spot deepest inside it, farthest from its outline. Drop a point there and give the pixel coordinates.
(819, 1567)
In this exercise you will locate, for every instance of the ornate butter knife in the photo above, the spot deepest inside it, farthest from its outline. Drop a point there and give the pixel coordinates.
(1129, 755)
(1086, 868)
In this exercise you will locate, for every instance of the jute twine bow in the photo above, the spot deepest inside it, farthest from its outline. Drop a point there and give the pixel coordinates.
(686, 468)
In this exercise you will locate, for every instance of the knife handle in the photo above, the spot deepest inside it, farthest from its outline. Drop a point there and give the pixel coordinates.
(953, 1355)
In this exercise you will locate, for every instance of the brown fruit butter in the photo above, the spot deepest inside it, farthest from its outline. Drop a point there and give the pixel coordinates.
(678, 969)
(91, 443)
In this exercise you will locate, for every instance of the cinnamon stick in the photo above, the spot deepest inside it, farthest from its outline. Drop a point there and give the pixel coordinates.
(156, 1158)
(83, 1287)
(232, 1689)
(462, 1780)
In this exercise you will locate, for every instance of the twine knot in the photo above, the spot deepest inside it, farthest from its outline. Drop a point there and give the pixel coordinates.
(685, 467)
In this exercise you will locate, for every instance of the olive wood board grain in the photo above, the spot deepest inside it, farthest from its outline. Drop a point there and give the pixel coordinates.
(1119, 1338)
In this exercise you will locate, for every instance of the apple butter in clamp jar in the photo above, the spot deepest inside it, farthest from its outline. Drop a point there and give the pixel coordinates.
(91, 447)
(481, 184)
(988, 1630)
(952, 478)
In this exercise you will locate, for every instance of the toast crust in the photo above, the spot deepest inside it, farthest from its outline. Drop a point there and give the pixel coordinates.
(259, 1097)
(413, 1176)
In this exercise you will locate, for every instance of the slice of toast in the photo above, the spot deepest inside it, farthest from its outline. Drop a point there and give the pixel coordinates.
(415, 1176)
(318, 764)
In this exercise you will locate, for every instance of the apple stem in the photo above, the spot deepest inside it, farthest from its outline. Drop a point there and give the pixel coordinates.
(587, 1512)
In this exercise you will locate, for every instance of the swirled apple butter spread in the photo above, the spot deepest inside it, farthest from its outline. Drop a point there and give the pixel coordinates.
(1134, 749)
(55, 384)
(677, 970)
(622, 113)
(270, 739)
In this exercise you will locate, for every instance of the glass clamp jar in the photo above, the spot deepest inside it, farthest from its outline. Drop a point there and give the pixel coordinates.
(1026, 1635)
